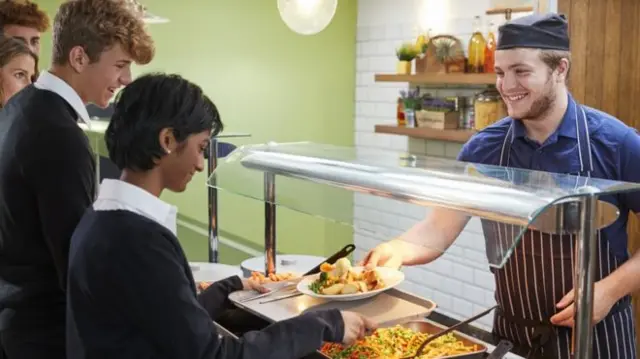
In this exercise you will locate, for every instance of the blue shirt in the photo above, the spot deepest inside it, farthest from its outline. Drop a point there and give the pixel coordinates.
(615, 148)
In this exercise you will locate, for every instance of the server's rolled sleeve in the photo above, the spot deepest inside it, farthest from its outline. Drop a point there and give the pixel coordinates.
(630, 169)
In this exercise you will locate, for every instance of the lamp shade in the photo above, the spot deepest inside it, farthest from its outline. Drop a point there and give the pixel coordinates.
(307, 17)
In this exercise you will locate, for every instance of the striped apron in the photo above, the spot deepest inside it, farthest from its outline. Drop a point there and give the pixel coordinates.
(540, 272)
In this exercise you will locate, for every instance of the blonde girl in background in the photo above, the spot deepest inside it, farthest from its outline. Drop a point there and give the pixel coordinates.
(18, 68)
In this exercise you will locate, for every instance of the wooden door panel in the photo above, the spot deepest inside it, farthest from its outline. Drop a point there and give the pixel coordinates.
(605, 71)
(612, 58)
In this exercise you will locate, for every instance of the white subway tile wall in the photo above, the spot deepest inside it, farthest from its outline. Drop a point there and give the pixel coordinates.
(460, 281)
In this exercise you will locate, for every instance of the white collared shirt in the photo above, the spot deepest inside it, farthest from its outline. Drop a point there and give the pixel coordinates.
(119, 195)
(48, 81)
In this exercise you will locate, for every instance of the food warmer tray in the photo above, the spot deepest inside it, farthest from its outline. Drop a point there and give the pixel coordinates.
(427, 326)
(482, 353)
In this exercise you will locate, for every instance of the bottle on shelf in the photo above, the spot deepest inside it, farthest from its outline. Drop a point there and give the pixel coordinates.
(490, 50)
(400, 113)
(477, 45)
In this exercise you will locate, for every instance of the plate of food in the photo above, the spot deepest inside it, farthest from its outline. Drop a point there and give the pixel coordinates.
(272, 281)
(273, 278)
(342, 282)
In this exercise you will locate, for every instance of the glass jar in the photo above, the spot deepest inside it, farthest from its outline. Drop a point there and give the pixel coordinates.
(469, 115)
(488, 108)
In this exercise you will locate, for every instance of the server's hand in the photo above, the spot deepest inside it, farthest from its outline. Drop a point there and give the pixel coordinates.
(356, 327)
(602, 304)
(384, 255)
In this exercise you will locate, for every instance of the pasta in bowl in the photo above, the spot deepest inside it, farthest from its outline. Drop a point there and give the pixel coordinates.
(342, 282)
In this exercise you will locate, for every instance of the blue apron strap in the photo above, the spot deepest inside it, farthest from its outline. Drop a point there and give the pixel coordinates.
(505, 152)
(584, 143)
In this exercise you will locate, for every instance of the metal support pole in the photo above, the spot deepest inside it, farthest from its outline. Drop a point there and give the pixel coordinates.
(97, 187)
(212, 163)
(585, 269)
(269, 223)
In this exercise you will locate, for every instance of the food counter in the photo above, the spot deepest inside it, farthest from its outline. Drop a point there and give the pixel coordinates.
(551, 203)
(283, 309)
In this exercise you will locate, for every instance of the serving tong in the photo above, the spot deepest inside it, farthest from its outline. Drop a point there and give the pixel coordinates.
(291, 284)
(437, 335)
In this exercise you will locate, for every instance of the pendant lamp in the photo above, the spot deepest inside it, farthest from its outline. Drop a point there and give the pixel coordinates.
(307, 17)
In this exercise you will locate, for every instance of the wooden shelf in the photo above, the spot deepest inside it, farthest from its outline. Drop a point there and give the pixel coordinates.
(426, 133)
(504, 10)
(440, 79)
(508, 11)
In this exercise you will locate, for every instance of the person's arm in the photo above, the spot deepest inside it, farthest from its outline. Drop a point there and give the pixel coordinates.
(150, 288)
(428, 239)
(61, 171)
(215, 298)
(626, 279)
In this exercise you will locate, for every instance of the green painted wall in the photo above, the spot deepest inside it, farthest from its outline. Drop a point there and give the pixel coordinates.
(274, 84)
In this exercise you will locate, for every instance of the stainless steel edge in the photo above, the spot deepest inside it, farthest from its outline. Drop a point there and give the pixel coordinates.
(212, 200)
(489, 199)
(270, 223)
(223, 331)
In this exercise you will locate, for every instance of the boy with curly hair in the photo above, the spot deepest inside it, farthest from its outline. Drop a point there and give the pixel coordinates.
(47, 168)
(24, 20)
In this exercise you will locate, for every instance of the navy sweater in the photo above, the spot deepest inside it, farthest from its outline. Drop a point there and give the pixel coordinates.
(47, 181)
(131, 294)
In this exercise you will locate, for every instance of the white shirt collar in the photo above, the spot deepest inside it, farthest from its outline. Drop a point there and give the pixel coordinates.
(119, 195)
(48, 81)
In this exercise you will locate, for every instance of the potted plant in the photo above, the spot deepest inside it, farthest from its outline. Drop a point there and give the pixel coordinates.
(422, 44)
(411, 102)
(406, 53)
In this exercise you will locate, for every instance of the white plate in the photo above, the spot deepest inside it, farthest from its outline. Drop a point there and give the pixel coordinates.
(391, 277)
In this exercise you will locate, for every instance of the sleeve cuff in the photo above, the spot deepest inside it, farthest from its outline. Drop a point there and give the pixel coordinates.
(335, 323)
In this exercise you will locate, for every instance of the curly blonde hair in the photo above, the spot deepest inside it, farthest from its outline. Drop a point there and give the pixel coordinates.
(97, 25)
(23, 13)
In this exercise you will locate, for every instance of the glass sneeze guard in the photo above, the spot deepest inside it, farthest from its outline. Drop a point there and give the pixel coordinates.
(517, 198)
(212, 155)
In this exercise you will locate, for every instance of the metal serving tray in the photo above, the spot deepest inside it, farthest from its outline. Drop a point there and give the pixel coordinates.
(391, 307)
(427, 326)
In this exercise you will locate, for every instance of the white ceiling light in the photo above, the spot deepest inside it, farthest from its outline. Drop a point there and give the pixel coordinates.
(307, 17)
(147, 17)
